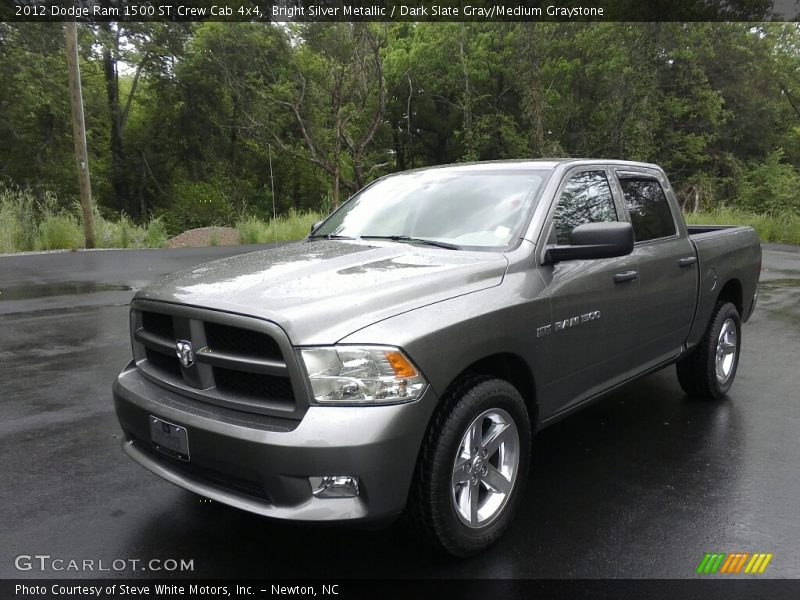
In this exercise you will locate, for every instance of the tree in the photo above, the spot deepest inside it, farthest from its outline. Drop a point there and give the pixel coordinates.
(146, 47)
(35, 121)
(337, 98)
(180, 118)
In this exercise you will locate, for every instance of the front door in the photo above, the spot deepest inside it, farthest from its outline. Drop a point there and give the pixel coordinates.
(590, 343)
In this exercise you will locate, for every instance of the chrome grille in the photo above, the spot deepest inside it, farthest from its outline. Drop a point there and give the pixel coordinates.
(239, 362)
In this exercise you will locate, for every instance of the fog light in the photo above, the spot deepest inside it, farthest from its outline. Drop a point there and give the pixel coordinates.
(334, 486)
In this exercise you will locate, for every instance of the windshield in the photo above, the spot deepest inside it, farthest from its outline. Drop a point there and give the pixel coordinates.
(460, 207)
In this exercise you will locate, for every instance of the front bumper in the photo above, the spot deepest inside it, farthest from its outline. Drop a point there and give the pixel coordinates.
(262, 464)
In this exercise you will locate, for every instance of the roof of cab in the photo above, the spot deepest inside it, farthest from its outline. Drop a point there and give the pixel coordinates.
(538, 164)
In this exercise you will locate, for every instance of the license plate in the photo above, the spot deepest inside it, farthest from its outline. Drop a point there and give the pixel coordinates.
(169, 438)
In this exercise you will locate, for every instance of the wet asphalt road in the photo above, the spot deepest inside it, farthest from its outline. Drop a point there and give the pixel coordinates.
(641, 484)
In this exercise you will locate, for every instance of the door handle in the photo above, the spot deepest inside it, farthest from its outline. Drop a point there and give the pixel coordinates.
(626, 276)
(687, 261)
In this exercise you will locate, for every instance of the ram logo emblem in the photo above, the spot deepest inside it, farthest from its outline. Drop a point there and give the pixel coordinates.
(185, 354)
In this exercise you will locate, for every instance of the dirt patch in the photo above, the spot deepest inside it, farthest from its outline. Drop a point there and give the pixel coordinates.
(205, 236)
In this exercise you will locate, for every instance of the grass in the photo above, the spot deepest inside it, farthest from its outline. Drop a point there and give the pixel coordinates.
(783, 228)
(123, 233)
(292, 226)
(58, 230)
(28, 224)
(18, 227)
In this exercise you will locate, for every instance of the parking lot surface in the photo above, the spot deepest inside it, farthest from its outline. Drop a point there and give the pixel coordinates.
(641, 484)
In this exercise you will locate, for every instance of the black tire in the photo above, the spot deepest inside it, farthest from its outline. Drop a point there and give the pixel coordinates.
(697, 372)
(432, 510)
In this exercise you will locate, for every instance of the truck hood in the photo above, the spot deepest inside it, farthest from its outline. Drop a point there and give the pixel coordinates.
(321, 291)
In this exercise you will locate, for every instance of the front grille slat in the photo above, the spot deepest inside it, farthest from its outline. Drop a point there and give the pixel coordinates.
(155, 342)
(238, 366)
(242, 363)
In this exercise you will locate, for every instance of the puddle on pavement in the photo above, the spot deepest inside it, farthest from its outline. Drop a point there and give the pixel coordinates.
(780, 298)
(27, 292)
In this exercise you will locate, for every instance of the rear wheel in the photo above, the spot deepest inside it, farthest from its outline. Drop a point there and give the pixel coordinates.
(473, 467)
(709, 370)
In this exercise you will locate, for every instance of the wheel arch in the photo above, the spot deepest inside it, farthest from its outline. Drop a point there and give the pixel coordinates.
(732, 292)
(512, 368)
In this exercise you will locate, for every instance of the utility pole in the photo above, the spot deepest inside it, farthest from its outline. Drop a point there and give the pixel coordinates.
(79, 132)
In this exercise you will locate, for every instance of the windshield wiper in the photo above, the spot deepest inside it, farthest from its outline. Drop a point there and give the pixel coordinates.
(331, 236)
(413, 240)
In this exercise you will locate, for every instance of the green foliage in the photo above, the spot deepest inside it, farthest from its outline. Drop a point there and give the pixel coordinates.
(782, 228)
(198, 123)
(252, 230)
(124, 233)
(155, 235)
(27, 225)
(198, 204)
(58, 230)
(35, 124)
(292, 226)
(18, 226)
(771, 186)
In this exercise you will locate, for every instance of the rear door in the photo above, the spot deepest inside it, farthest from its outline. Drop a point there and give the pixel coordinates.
(667, 265)
(590, 342)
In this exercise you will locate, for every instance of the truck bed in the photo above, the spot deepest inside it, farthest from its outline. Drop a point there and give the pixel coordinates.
(696, 230)
(727, 252)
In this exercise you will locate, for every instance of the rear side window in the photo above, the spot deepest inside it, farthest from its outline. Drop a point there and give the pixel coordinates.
(586, 199)
(647, 204)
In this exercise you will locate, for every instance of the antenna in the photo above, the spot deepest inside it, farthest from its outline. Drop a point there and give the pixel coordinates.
(272, 184)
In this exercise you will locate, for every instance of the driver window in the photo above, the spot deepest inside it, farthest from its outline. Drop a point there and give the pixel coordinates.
(586, 199)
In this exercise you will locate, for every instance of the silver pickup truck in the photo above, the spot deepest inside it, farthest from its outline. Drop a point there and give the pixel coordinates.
(400, 358)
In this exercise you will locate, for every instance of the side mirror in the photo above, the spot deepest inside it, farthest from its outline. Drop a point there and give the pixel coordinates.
(314, 226)
(594, 240)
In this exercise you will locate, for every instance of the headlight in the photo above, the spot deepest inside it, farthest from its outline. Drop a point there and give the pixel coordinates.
(362, 375)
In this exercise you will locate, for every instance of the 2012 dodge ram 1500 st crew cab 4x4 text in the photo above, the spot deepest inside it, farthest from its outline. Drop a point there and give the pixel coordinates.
(402, 356)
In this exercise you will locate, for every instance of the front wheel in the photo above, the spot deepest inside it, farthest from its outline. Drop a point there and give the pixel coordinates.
(708, 371)
(473, 467)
